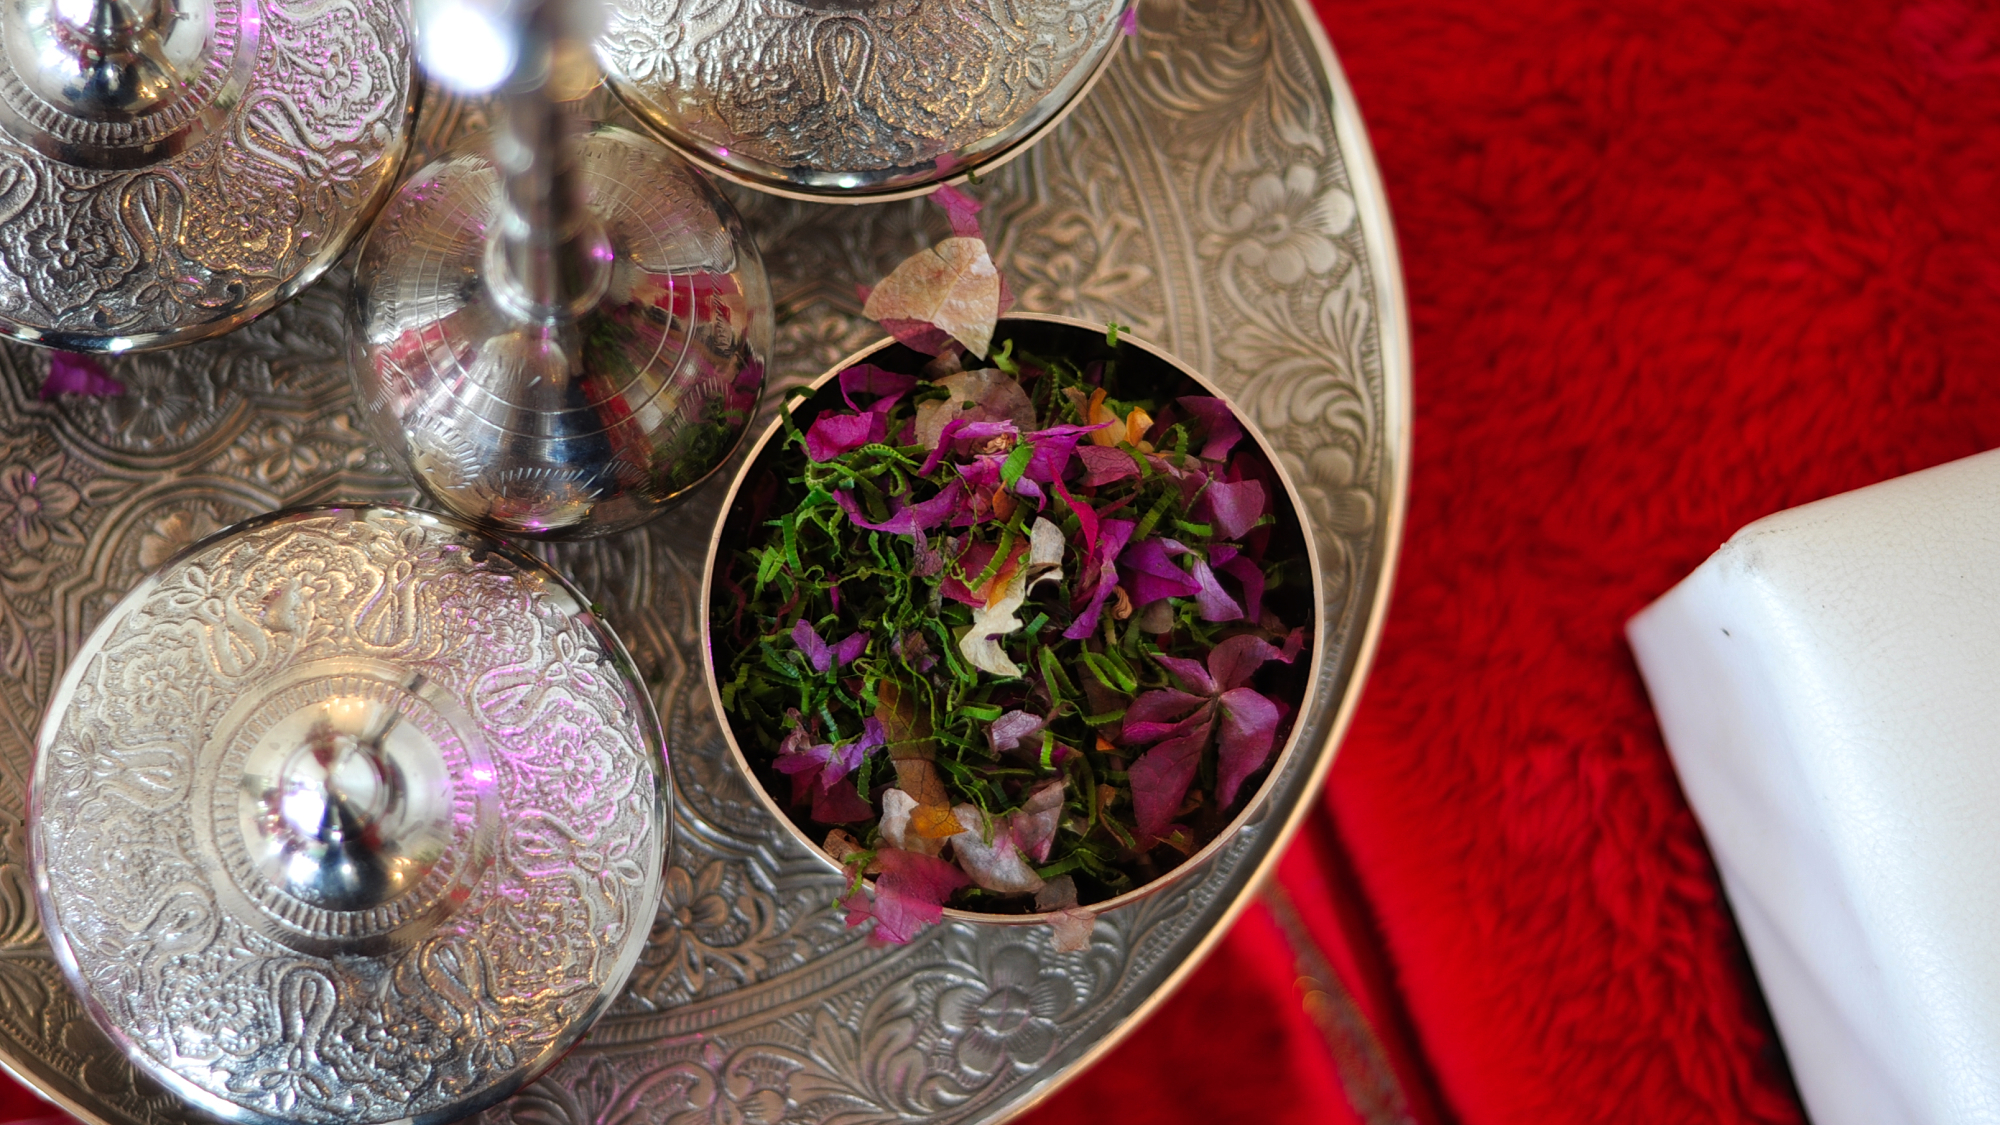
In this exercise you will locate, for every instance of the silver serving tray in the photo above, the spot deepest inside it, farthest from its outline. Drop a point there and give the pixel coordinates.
(1215, 192)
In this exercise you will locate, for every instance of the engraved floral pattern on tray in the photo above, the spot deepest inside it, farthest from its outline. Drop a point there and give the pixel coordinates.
(1201, 194)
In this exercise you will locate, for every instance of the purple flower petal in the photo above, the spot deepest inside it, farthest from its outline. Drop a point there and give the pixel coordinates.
(1235, 506)
(1162, 706)
(846, 651)
(1053, 448)
(1100, 576)
(834, 434)
(963, 431)
(1215, 602)
(1236, 659)
(72, 373)
(1103, 464)
(1129, 22)
(1148, 574)
(908, 519)
(1245, 570)
(1161, 776)
(1190, 673)
(1224, 431)
(809, 642)
(866, 378)
(1249, 727)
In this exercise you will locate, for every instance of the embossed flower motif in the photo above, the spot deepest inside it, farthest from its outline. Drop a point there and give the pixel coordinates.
(163, 405)
(72, 251)
(1010, 1021)
(720, 1094)
(695, 903)
(172, 532)
(1071, 278)
(38, 507)
(1288, 225)
(277, 452)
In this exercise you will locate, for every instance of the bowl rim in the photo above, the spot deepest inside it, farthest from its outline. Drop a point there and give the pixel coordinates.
(767, 183)
(1252, 810)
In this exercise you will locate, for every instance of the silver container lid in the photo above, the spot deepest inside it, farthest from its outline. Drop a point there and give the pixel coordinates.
(170, 169)
(854, 99)
(348, 815)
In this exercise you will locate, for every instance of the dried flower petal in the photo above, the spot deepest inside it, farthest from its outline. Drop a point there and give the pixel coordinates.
(1073, 928)
(952, 286)
(897, 806)
(1012, 730)
(909, 894)
(1034, 823)
(995, 864)
(985, 395)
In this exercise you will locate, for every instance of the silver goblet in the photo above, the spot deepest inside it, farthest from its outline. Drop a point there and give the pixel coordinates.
(170, 169)
(558, 333)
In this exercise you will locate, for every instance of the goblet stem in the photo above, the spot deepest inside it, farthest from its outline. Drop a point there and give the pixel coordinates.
(551, 259)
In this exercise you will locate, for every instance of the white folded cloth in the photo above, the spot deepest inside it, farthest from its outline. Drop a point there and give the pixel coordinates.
(1829, 687)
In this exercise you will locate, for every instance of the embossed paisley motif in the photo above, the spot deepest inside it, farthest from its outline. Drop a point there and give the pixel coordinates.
(751, 1001)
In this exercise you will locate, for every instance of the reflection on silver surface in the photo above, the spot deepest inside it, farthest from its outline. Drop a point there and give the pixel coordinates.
(348, 815)
(854, 99)
(559, 335)
(1214, 192)
(170, 169)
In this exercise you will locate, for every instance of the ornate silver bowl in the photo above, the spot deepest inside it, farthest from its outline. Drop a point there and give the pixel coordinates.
(856, 100)
(348, 815)
(1040, 334)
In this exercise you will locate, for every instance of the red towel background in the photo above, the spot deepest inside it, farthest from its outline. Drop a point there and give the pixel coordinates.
(1672, 265)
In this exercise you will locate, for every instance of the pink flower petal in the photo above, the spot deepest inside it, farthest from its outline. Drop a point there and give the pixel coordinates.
(1100, 576)
(1160, 779)
(1224, 431)
(1249, 728)
(1086, 518)
(1162, 709)
(910, 894)
(962, 209)
(73, 373)
(835, 434)
(907, 519)
(1235, 506)
(1103, 464)
(866, 378)
(839, 804)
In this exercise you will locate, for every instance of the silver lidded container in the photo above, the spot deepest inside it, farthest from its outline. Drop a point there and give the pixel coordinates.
(170, 169)
(558, 334)
(348, 815)
(855, 100)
